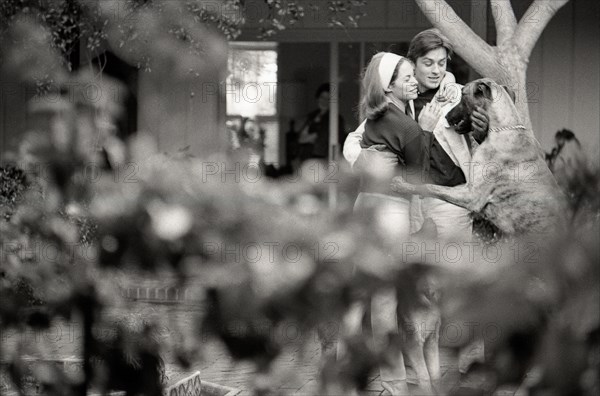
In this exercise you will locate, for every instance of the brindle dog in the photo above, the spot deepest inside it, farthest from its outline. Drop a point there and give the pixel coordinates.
(510, 183)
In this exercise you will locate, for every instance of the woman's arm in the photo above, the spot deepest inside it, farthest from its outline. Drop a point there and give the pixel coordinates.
(404, 136)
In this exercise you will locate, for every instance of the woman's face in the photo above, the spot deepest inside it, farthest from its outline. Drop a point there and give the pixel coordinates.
(251, 128)
(323, 101)
(405, 86)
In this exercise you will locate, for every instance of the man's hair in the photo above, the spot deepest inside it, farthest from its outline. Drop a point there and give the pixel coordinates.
(426, 41)
(325, 87)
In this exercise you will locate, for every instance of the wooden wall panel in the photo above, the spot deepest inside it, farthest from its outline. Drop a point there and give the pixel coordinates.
(585, 103)
(557, 75)
(205, 131)
(180, 114)
(564, 77)
(13, 113)
(405, 14)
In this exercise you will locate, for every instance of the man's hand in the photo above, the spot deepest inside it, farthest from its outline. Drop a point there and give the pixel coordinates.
(480, 123)
(307, 138)
(376, 160)
(447, 93)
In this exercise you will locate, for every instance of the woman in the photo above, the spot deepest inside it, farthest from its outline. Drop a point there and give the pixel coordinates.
(250, 141)
(566, 159)
(388, 85)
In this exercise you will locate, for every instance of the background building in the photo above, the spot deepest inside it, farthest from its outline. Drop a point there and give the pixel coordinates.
(275, 81)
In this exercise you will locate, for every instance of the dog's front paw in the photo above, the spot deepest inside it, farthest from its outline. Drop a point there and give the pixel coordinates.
(401, 186)
(423, 387)
(395, 388)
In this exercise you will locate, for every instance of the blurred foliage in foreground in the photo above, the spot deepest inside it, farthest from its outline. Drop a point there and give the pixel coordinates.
(544, 303)
(541, 294)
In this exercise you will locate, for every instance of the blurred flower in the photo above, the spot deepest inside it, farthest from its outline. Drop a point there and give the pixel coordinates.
(170, 222)
(28, 54)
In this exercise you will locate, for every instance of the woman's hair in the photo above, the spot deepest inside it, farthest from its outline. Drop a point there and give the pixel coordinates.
(373, 103)
(426, 41)
(243, 134)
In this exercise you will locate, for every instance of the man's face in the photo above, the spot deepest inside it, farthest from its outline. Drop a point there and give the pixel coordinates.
(431, 68)
(323, 101)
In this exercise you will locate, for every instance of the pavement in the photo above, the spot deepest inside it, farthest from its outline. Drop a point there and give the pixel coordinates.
(297, 372)
(296, 369)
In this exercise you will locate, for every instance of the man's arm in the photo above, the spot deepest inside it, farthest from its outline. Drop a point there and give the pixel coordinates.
(447, 90)
(352, 147)
(364, 159)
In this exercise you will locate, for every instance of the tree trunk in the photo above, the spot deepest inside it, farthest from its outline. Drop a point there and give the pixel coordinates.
(507, 62)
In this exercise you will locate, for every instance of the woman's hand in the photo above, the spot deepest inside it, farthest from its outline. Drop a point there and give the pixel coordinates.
(430, 116)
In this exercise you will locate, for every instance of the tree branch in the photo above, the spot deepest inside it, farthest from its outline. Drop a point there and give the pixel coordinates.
(533, 23)
(504, 19)
(472, 48)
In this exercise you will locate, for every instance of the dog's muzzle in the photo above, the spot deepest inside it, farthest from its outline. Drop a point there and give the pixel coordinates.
(459, 119)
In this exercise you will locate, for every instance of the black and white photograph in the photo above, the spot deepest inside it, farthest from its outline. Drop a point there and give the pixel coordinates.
(299, 197)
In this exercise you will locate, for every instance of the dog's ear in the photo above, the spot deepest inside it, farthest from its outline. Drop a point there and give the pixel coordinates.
(483, 89)
(510, 93)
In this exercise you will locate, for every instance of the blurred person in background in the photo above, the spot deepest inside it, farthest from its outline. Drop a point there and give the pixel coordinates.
(249, 141)
(314, 135)
(566, 158)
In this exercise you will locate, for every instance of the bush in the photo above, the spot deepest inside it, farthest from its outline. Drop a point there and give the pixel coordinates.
(13, 183)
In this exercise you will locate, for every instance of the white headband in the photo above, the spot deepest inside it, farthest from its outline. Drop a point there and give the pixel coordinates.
(387, 66)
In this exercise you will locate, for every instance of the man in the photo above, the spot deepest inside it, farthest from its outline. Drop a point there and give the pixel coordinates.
(314, 134)
(449, 160)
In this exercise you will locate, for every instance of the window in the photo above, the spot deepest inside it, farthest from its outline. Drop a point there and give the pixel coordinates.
(252, 81)
(251, 89)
